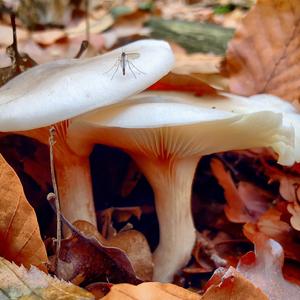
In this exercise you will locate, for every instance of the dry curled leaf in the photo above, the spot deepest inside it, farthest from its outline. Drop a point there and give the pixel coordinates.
(264, 269)
(132, 242)
(20, 239)
(264, 53)
(271, 225)
(150, 291)
(230, 284)
(245, 202)
(19, 283)
(86, 256)
(289, 183)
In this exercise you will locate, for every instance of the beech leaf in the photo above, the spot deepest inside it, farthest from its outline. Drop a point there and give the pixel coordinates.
(264, 269)
(150, 291)
(20, 239)
(230, 284)
(183, 83)
(19, 283)
(86, 255)
(264, 53)
(245, 202)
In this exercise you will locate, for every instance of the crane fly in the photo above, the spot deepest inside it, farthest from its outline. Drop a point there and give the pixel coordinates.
(123, 62)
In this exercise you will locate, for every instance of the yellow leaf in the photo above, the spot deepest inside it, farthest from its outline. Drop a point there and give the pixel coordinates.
(19, 283)
(20, 239)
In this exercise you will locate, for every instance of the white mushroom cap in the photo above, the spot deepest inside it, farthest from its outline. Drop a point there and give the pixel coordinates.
(206, 124)
(166, 134)
(59, 90)
(63, 89)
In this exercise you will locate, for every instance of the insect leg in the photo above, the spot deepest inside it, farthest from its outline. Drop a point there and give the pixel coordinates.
(117, 62)
(132, 65)
(128, 63)
(116, 70)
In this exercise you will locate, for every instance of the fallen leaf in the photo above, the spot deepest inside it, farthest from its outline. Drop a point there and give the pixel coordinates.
(271, 225)
(245, 201)
(99, 289)
(262, 57)
(182, 83)
(118, 214)
(20, 239)
(289, 184)
(264, 269)
(196, 63)
(19, 283)
(84, 256)
(230, 284)
(132, 242)
(47, 37)
(136, 247)
(150, 291)
(96, 26)
(205, 253)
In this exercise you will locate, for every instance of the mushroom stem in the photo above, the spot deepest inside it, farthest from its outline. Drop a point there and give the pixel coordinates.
(74, 186)
(172, 181)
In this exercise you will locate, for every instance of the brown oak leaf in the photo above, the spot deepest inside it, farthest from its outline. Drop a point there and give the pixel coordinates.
(263, 56)
(20, 239)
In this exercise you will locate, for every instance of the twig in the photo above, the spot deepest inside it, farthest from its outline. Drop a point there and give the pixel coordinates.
(87, 20)
(57, 204)
(84, 45)
(13, 24)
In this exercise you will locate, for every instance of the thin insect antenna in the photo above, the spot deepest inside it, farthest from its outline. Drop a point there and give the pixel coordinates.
(117, 68)
(141, 72)
(128, 63)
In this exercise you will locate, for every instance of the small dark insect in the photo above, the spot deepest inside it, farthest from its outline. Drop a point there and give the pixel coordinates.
(123, 61)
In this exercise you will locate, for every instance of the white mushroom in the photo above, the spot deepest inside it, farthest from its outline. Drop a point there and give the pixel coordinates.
(167, 134)
(56, 91)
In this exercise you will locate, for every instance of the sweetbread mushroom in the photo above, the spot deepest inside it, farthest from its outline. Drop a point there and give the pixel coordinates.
(50, 93)
(167, 135)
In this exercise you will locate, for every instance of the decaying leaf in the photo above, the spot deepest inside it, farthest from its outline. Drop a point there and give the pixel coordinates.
(150, 291)
(87, 256)
(230, 284)
(264, 269)
(263, 55)
(289, 184)
(20, 239)
(271, 225)
(136, 247)
(19, 283)
(132, 242)
(182, 83)
(205, 253)
(245, 202)
(118, 214)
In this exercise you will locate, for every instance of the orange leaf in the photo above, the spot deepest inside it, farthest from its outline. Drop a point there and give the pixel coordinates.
(150, 291)
(245, 202)
(182, 83)
(20, 239)
(230, 284)
(264, 53)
